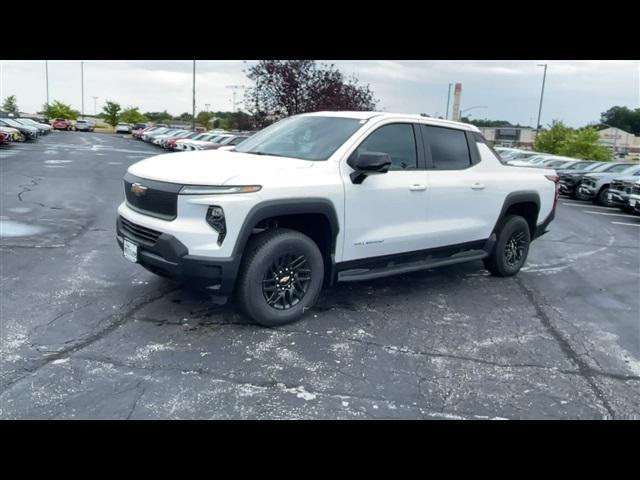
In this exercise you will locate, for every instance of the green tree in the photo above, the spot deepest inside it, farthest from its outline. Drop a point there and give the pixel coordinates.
(159, 117)
(204, 119)
(185, 117)
(551, 140)
(59, 109)
(623, 118)
(132, 115)
(10, 104)
(583, 144)
(110, 113)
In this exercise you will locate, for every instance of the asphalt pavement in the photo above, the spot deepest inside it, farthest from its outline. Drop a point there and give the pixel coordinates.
(85, 334)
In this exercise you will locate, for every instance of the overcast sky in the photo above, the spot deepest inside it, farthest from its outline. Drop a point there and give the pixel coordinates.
(576, 91)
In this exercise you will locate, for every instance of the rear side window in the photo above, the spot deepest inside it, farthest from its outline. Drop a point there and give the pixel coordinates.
(449, 149)
(398, 141)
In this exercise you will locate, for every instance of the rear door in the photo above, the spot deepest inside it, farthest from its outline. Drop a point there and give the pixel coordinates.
(463, 202)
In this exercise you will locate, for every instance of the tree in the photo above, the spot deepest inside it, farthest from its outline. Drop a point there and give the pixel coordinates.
(623, 118)
(132, 115)
(110, 113)
(59, 109)
(159, 117)
(204, 119)
(10, 104)
(485, 122)
(551, 140)
(583, 144)
(283, 88)
(185, 117)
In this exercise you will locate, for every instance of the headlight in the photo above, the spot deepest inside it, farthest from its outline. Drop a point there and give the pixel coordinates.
(221, 190)
(215, 218)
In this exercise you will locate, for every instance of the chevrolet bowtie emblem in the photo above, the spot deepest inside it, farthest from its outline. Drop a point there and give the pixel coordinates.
(138, 189)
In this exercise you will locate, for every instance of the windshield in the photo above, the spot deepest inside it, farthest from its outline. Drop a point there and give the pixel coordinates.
(11, 122)
(304, 137)
(619, 168)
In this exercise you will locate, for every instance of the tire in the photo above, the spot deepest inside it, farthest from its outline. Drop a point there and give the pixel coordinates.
(264, 255)
(501, 261)
(601, 199)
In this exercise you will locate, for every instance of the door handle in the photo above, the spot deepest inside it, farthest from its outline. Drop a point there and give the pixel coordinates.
(477, 186)
(417, 187)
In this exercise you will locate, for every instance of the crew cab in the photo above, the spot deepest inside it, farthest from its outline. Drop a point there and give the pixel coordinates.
(329, 197)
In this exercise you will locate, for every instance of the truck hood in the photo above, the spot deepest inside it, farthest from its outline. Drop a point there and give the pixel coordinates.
(212, 167)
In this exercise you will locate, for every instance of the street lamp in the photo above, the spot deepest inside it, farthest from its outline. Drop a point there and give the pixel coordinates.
(544, 78)
(206, 106)
(471, 108)
(82, 85)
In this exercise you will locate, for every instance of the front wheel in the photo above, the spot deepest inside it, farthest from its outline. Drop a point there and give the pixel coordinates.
(281, 276)
(603, 199)
(511, 248)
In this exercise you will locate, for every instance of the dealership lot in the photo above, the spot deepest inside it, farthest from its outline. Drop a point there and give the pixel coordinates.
(87, 334)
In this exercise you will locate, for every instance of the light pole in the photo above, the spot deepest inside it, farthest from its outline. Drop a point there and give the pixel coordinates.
(471, 108)
(82, 85)
(206, 106)
(95, 108)
(46, 74)
(234, 88)
(544, 78)
(448, 98)
(193, 114)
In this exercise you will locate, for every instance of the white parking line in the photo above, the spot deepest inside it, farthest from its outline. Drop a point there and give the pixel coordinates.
(588, 206)
(623, 223)
(611, 214)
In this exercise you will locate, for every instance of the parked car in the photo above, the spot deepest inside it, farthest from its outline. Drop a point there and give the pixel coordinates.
(161, 139)
(275, 219)
(149, 134)
(197, 141)
(61, 124)
(30, 133)
(5, 138)
(559, 163)
(43, 128)
(619, 191)
(123, 127)
(170, 143)
(595, 186)
(85, 126)
(578, 166)
(15, 134)
(231, 141)
(139, 133)
(570, 181)
(634, 198)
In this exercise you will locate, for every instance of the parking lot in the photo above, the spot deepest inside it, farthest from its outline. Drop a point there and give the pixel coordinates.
(87, 334)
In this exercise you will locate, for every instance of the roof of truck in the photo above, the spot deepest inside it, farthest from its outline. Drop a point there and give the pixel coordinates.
(422, 118)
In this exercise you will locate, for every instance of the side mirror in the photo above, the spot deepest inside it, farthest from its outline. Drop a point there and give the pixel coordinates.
(370, 163)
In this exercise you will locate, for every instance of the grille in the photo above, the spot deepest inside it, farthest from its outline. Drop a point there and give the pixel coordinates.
(138, 232)
(160, 199)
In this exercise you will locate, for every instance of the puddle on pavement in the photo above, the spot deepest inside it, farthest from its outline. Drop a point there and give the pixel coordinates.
(53, 162)
(20, 210)
(9, 228)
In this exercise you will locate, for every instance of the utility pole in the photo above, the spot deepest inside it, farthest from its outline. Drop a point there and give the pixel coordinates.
(206, 106)
(544, 78)
(95, 109)
(46, 74)
(82, 85)
(235, 88)
(448, 98)
(193, 120)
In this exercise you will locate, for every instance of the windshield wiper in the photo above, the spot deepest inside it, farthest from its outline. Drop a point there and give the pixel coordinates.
(265, 153)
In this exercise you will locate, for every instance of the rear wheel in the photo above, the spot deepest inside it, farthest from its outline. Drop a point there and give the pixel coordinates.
(281, 276)
(511, 248)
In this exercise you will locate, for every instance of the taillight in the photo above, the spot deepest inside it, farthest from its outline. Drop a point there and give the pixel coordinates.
(555, 179)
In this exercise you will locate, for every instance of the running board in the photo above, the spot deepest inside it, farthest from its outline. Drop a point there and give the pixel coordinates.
(358, 274)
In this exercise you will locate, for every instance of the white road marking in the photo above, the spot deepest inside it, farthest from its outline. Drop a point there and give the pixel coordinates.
(588, 206)
(610, 214)
(623, 223)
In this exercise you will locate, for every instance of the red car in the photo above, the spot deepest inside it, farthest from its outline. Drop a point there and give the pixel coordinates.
(171, 143)
(61, 124)
(5, 138)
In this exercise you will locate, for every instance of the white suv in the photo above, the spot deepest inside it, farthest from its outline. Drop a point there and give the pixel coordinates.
(331, 197)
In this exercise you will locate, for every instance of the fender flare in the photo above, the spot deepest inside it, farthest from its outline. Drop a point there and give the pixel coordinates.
(514, 198)
(289, 206)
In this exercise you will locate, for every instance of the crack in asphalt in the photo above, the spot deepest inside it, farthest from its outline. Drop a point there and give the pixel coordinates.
(25, 188)
(119, 319)
(584, 370)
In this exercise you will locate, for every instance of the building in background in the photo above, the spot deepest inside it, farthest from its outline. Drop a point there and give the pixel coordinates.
(622, 144)
(510, 136)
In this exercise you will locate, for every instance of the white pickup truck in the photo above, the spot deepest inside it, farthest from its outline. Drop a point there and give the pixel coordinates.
(330, 197)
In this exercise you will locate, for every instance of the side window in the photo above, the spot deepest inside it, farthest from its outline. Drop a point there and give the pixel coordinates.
(449, 149)
(398, 141)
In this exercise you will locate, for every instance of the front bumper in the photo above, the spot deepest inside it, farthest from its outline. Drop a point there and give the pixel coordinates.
(586, 191)
(617, 198)
(168, 257)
